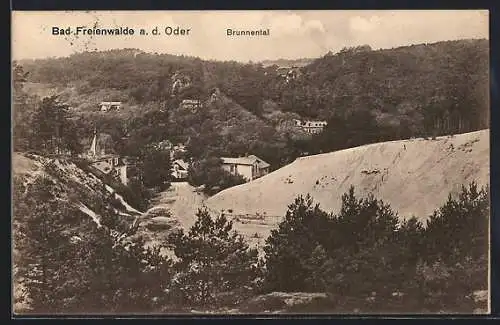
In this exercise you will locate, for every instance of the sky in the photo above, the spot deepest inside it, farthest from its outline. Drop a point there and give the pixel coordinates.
(293, 34)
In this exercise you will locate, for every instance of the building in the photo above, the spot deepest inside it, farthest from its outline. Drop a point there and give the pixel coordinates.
(107, 164)
(312, 127)
(191, 104)
(110, 106)
(250, 167)
(179, 169)
(289, 73)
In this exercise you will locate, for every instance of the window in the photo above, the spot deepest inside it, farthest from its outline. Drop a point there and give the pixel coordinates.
(116, 161)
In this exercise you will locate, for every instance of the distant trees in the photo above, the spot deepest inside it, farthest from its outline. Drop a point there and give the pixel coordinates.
(365, 95)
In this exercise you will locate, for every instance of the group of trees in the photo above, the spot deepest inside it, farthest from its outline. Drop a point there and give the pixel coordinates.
(365, 252)
(364, 257)
(43, 125)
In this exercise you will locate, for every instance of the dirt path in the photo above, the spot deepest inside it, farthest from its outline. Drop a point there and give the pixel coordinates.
(183, 201)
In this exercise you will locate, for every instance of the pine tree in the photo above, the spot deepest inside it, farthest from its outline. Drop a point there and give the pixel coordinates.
(42, 240)
(214, 261)
(304, 227)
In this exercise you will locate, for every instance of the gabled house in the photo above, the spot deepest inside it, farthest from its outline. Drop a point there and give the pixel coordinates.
(250, 167)
(179, 169)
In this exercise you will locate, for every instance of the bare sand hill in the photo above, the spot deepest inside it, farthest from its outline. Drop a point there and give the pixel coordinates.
(415, 176)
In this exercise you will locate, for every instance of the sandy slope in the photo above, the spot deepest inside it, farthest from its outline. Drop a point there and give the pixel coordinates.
(415, 176)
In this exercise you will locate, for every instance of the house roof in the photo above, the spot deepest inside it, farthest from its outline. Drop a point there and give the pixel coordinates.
(111, 103)
(248, 160)
(181, 163)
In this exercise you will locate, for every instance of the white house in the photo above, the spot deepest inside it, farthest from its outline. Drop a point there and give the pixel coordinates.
(109, 106)
(312, 127)
(179, 169)
(191, 104)
(250, 167)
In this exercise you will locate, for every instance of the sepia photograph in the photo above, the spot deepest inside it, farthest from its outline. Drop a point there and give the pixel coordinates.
(260, 162)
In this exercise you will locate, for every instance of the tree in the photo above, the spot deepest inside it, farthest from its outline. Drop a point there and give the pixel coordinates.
(214, 261)
(289, 247)
(460, 227)
(43, 242)
(209, 172)
(66, 263)
(156, 167)
(53, 129)
(22, 111)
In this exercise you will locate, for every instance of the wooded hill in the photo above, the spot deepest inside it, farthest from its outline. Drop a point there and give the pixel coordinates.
(365, 95)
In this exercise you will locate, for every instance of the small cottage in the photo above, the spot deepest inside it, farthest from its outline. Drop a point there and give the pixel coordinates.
(179, 169)
(250, 167)
(110, 106)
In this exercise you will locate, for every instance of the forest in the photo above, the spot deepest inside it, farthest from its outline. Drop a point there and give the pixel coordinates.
(366, 96)
(362, 259)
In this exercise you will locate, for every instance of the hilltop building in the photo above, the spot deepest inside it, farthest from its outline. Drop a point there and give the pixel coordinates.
(250, 167)
(110, 106)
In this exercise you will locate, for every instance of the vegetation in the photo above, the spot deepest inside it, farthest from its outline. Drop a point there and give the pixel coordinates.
(363, 252)
(363, 258)
(366, 96)
(209, 172)
(215, 264)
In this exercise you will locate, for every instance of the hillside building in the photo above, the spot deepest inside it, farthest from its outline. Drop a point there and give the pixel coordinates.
(106, 163)
(110, 106)
(289, 73)
(250, 167)
(180, 169)
(191, 104)
(312, 127)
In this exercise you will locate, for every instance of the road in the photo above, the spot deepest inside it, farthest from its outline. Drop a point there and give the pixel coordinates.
(183, 201)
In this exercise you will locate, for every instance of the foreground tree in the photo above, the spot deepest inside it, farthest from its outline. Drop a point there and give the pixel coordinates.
(215, 264)
(66, 263)
(289, 247)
